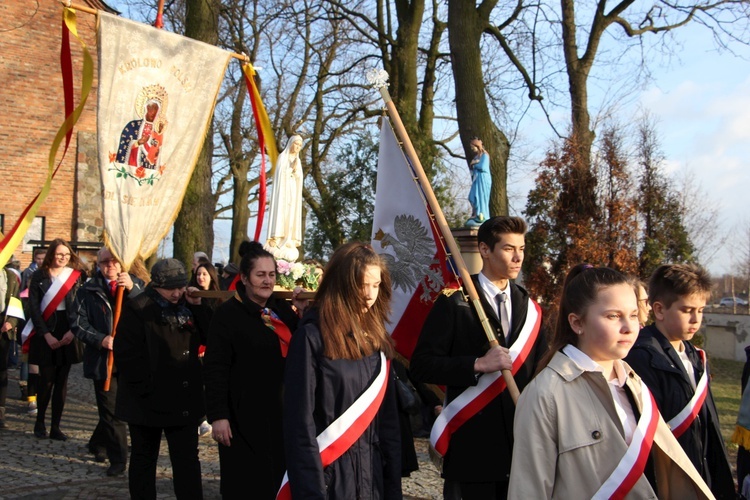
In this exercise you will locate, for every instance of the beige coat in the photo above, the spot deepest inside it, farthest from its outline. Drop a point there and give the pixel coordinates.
(568, 440)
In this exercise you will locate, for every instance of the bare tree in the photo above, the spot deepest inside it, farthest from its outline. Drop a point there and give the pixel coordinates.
(193, 229)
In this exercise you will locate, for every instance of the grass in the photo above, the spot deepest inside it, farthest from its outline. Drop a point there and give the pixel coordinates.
(725, 386)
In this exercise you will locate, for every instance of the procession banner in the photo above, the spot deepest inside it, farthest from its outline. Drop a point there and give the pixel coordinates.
(157, 92)
(404, 234)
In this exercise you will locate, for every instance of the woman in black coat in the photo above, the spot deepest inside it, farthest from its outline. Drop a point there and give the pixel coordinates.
(339, 354)
(53, 348)
(160, 384)
(244, 371)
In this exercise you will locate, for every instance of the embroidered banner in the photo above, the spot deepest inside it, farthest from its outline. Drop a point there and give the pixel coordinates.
(157, 91)
(404, 234)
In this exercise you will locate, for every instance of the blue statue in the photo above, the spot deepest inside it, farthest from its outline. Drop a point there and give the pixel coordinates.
(481, 183)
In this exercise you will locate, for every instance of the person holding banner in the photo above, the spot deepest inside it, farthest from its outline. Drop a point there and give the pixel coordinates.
(474, 431)
(51, 344)
(340, 419)
(677, 372)
(587, 426)
(91, 321)
(248, 340)
(160, 385)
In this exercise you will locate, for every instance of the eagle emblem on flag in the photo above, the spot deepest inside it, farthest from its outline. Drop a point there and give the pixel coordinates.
(415, 262)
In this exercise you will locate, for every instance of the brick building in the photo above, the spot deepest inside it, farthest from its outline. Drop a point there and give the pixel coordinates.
(33, 96)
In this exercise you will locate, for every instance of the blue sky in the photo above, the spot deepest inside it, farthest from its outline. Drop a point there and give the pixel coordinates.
(701, 102)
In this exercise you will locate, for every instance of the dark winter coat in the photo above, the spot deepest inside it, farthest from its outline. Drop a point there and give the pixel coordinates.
(57, 324)
(91, 321)
(244, 375)
(160, 379)
(452, 339)
(655, 360)
(317, 391)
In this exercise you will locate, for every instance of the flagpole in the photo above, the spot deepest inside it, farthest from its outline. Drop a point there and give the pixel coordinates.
(378, 80)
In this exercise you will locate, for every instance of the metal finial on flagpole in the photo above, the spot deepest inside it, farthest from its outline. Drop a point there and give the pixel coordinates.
(378, 78)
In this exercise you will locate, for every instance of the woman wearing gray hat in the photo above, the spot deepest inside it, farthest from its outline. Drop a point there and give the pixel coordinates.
(161, 388)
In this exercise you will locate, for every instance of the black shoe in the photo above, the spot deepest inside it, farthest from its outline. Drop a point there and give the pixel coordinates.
(58, 435)
(40, 431)
(100, 456)
(116, 470)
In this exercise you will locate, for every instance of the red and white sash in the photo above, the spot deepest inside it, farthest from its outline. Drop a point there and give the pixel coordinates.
(489, 386)
(61, 285)
(633, 463)
(343, 432)
(683, 420)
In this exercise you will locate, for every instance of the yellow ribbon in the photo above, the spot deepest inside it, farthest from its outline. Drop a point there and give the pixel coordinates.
(16, 237)
(262, 116)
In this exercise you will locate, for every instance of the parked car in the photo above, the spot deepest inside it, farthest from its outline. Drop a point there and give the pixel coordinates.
(729, 302)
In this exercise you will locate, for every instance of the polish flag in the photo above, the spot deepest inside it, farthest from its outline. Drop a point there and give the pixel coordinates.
(406, 236)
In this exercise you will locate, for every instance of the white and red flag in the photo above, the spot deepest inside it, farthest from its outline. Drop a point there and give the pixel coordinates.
(406, 236)
(157, 92)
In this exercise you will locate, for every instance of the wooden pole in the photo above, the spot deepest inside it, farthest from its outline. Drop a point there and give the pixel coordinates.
(115, 320)
(89, 10)
(424, 182)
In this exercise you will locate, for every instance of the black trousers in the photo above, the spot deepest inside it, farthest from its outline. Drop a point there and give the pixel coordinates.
(53, 384)
(5, 345)
(484, 491)
(183, 453)
(111, 433)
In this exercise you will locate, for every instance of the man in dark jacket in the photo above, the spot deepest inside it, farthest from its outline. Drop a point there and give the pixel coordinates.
(161, 386)
(91, 322)
(453, 350)
(673, 370)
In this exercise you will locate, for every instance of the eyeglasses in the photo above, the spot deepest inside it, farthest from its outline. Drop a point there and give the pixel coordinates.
(62, 255)
(108, 262)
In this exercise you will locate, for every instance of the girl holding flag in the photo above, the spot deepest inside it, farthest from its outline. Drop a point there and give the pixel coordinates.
(51, 344)
(341, 428)
(587, 426)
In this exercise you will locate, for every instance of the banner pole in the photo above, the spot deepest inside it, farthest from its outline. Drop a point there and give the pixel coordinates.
(115, 320)
(378, 80)
(89, 10)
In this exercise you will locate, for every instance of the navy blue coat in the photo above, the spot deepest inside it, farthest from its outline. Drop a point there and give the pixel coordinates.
(317, 390)
(655, 360)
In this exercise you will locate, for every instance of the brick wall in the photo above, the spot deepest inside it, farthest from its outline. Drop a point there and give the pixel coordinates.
(33, 97)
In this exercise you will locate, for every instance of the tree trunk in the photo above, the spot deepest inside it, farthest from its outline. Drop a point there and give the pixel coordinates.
(465, 26)
(194, 229)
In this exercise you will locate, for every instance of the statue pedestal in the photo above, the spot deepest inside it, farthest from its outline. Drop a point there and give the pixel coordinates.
(466, 238)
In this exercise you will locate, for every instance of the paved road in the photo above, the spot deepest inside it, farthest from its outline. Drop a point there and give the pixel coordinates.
(36, 469)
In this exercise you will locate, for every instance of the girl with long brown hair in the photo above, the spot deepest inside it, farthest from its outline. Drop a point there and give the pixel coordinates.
(53, 347)
(340, 354)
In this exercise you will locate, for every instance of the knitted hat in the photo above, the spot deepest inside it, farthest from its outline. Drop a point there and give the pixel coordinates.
(169, 274)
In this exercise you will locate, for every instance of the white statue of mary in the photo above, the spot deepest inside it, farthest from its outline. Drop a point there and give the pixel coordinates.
(285, 221)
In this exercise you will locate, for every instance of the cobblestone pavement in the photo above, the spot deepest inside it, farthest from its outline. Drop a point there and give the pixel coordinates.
(36, 469)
